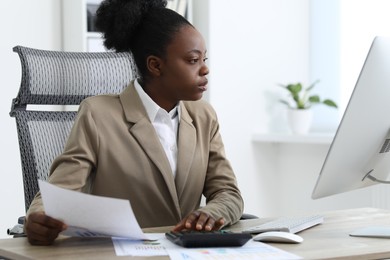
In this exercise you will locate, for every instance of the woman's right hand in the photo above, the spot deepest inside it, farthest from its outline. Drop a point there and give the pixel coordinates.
(42, 229)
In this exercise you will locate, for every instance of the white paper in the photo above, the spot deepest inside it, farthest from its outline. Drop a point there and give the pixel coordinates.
(162, 246)
(251, 250)
(88, 215)
(157, 247)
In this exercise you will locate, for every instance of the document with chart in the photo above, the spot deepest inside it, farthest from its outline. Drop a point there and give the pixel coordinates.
(90, 216)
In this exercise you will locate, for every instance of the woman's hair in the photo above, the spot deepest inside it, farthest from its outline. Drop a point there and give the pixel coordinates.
(142, 27)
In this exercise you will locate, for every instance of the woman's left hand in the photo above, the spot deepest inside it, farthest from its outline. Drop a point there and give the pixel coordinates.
(199, 220)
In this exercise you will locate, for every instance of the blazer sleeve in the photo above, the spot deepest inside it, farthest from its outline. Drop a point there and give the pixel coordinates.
(223, 197)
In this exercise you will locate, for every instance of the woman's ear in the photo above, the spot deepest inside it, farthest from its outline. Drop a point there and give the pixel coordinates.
(154, 65)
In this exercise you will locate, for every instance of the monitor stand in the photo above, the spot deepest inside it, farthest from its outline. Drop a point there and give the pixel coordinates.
(374, 231)
(372, 178)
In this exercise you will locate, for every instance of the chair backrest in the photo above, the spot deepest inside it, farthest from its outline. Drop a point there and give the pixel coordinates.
(58, 79)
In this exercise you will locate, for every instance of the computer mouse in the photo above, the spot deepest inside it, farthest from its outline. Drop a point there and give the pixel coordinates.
(278, 237)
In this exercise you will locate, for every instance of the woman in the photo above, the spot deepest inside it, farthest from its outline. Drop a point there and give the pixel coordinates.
(156, 144)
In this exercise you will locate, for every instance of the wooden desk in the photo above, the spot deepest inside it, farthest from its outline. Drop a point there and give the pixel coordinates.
(329, 240)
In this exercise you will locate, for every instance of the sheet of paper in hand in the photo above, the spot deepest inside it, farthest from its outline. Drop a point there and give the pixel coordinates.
(89, 215)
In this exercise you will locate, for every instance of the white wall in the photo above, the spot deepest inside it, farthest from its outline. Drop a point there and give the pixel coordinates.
(253, 46)
(34, 24)
(357, 36)
(325, 61)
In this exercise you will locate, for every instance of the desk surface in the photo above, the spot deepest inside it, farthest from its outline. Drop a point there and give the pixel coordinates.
(329, 240)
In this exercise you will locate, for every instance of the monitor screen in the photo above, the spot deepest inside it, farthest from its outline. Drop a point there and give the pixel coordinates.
(359, 153)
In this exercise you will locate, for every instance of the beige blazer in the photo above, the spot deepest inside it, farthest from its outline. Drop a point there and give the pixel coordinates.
(114, 151)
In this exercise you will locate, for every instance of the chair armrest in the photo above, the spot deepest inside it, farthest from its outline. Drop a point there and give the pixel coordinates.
(18, 229)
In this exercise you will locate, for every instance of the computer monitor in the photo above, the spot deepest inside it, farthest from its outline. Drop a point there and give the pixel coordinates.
(359, 154)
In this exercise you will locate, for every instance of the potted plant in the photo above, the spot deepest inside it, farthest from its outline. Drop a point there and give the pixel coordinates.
(299, 113)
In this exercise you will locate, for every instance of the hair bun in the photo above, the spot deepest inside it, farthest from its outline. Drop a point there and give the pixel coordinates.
(150, 4)
(118, 20)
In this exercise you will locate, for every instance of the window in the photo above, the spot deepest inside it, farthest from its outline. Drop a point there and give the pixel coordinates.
(341, 35)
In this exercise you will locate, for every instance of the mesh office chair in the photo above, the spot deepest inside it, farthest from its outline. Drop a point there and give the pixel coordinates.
(58, 79)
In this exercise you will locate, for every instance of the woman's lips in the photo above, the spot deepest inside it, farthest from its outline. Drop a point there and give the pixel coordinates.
(203, 86)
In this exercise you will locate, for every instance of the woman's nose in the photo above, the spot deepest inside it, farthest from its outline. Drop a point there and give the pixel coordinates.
(204, 70)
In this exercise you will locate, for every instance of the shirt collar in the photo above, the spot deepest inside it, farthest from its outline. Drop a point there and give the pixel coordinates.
(151, 107)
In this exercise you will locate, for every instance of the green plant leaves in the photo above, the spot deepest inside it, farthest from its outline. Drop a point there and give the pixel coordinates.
(314, 99)
(300, 96)
(294, 88)
(330, 103)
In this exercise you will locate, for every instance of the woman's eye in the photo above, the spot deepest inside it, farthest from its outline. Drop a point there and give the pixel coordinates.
(196, 60)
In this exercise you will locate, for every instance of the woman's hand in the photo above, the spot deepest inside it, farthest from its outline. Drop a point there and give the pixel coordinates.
(42, 229)
(198, 220)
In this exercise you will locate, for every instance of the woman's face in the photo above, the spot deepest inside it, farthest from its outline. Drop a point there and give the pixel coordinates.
(184, 71)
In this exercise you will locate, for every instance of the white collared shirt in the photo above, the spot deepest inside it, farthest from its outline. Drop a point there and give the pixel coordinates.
(166, 125)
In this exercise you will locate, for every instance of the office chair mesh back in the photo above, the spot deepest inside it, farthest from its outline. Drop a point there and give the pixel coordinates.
(58, 78)
(42, 135)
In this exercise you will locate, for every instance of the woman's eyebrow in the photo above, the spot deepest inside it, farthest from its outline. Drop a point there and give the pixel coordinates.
(197, 51)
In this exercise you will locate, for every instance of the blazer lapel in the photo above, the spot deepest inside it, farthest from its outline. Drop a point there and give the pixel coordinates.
(143, 131)
(186, 149)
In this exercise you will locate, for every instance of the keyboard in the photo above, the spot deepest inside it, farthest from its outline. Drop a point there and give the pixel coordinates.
(218, 238)
(288, 224)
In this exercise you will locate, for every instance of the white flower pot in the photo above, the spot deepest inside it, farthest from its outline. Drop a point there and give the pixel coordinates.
(300, 120)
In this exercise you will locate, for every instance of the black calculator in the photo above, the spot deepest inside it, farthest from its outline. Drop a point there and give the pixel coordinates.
(220, 238)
